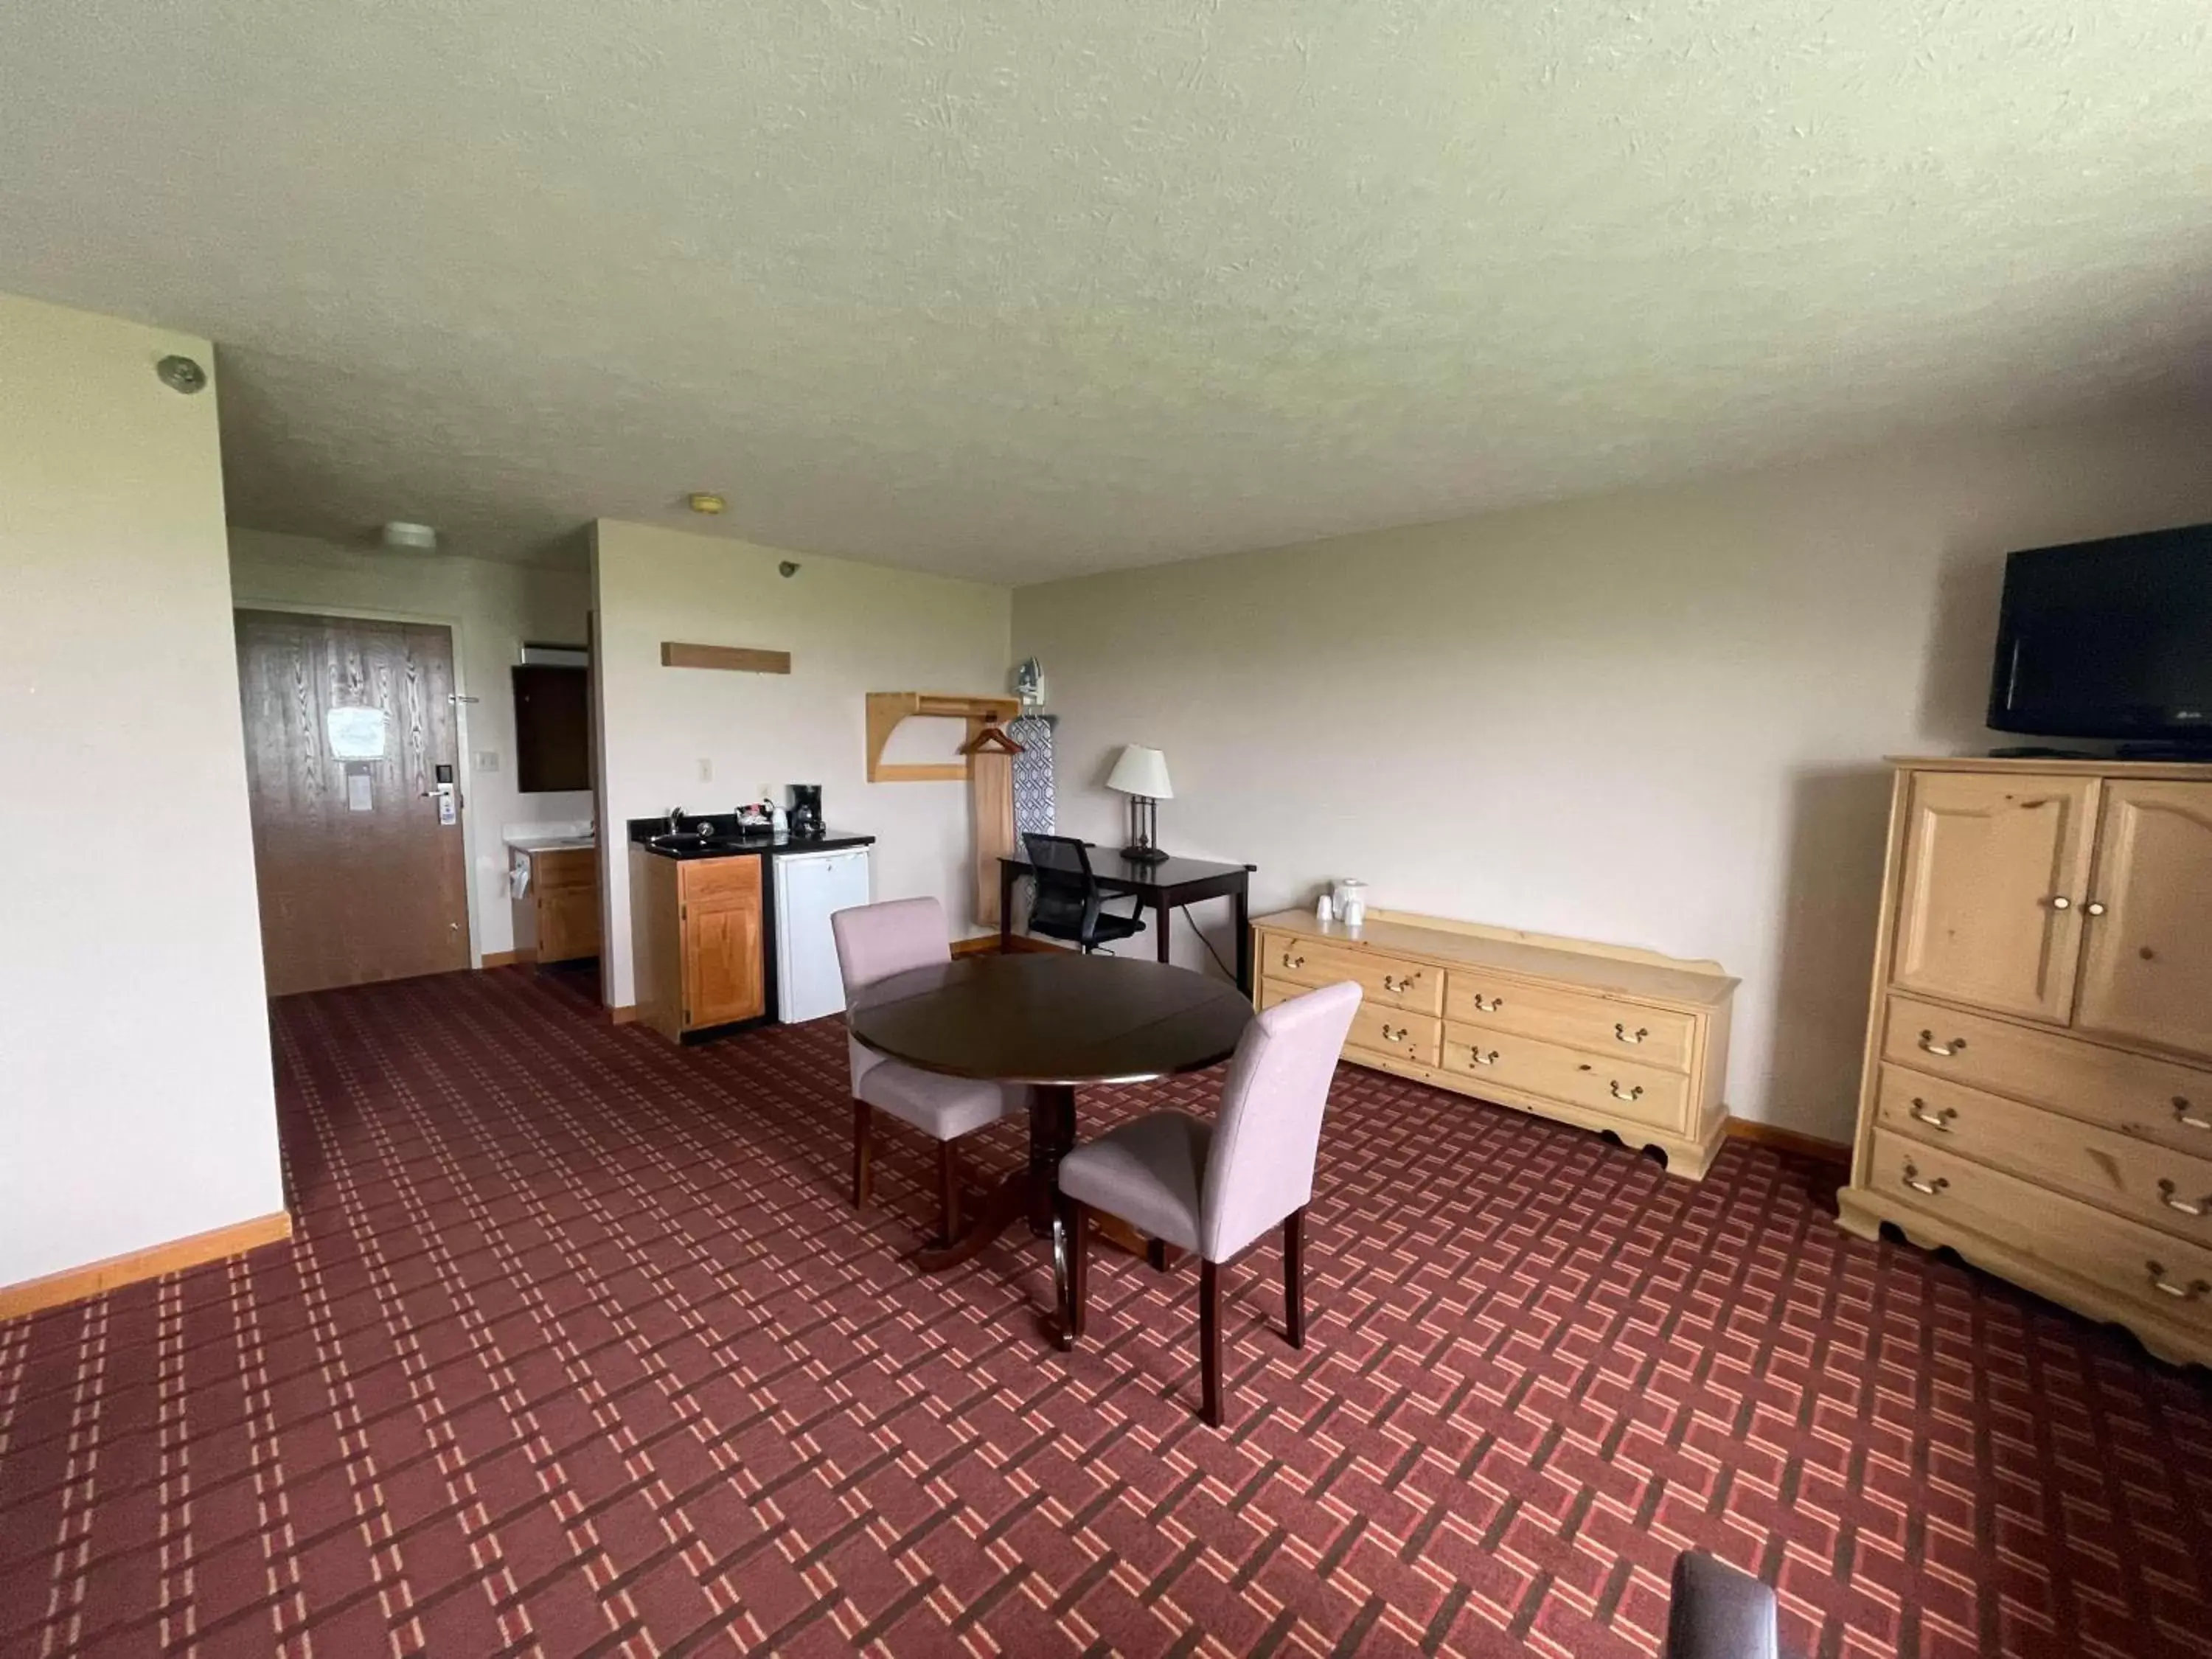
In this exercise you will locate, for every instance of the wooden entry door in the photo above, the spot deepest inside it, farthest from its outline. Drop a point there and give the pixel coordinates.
(347, 722)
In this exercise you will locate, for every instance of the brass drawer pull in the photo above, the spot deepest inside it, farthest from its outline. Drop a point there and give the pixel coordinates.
(1633, 1091)
(1940, 1050)
(1405, 984)
(1289, 961)
(2168, 1196)
(1489, 1007)
(1390, 1036)
(1481, 1059)
(2187, 1119)
(1940, 1119)
(2195, 1289)
(1929, 1188)
(1622, 1034)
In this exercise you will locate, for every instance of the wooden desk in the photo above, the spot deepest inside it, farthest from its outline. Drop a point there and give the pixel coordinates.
(1162, 886)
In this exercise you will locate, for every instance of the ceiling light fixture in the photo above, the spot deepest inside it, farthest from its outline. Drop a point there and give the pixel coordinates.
(704, 502)
(402, 536)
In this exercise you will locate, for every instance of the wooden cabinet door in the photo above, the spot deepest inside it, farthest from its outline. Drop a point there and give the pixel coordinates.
(567, 923)
(2146, 972)
(722, 969)
(1989, 899)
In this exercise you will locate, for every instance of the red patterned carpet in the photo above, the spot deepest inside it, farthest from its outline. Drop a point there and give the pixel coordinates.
(580, 1350)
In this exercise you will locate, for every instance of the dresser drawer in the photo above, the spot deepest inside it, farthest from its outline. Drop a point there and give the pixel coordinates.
(565, 866)
(700, 879)
(2153, 1100)
(1413, 985)
(2153, 1185)
(1641, 1093)
(1394, 1032)
(1649, 1036)
(2153, 1271)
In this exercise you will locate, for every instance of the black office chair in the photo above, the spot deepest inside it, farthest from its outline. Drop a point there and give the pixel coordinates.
(1065, 902)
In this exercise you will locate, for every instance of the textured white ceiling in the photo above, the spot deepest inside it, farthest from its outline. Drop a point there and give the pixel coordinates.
(1015, 291)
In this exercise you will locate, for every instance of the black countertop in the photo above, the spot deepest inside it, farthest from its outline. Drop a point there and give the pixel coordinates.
(723, 840)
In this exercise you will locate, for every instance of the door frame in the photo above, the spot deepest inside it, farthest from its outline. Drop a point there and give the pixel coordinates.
(464, 764)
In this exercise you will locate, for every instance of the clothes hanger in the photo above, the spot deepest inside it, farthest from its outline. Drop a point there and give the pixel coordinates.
(993, 738)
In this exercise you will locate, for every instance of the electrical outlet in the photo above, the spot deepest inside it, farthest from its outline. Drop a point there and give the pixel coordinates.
(706, 770)
(487, 760)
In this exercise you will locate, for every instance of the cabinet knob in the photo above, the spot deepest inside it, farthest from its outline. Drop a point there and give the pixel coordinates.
(2194, 1290)
(2060, 902)
(1940, 1050)
(2093, 907)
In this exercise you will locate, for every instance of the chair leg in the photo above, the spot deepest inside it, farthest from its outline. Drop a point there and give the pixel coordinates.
(863, 1153)
(1294, 1277)
(948, 1191)
(1209, 1341)
(1070, 1269)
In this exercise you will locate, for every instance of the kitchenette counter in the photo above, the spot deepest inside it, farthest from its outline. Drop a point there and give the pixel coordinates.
(719, 838)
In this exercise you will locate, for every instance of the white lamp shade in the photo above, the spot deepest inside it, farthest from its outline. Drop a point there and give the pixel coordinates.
(1141, 771)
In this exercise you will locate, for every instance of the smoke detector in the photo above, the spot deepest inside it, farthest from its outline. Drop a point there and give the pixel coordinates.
(401, 536)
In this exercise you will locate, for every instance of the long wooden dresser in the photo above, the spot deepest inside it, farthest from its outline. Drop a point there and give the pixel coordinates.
(2039, 1078)
(1604, 1036)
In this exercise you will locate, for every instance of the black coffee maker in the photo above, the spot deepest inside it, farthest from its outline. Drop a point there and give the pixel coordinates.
(806, 811)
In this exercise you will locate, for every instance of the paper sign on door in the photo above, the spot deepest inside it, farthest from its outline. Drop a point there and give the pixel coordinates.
(355, 734)
(358, 799)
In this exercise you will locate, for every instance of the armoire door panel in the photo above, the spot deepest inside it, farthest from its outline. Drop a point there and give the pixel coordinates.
(1995, 868)
(2147, 970)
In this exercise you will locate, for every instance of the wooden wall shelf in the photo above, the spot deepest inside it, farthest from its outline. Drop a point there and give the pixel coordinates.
(887, 708)
(674, 653)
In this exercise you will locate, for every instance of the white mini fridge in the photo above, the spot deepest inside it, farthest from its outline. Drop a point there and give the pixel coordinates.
(810, 889)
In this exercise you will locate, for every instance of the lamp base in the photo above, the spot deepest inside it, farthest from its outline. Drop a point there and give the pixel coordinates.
(1144, 855)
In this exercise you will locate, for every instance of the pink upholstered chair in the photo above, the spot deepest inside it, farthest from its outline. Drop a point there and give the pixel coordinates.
(1215, 1189)
(875, 941)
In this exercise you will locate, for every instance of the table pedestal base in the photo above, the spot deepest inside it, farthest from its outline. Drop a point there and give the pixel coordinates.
(1029, 1194)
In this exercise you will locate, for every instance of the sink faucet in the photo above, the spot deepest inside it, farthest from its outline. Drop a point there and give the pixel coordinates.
(675, 819)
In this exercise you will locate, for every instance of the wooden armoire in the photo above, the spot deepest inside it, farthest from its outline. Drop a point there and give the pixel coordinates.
(2039, 1078)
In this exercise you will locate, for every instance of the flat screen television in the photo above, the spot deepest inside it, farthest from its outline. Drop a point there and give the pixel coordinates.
(2110, 639)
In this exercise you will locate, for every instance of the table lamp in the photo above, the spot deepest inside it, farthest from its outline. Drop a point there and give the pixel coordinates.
(1141, 774)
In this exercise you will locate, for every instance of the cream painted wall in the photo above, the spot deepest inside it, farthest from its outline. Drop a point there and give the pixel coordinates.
(850, 628)
(1653, 717)
(492, 608)
(136, 1099)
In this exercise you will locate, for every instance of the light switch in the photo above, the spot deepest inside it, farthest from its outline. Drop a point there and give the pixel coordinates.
(487, 760)
(706, 770)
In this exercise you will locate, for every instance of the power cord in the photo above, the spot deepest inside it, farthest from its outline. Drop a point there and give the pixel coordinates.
(1207, 943)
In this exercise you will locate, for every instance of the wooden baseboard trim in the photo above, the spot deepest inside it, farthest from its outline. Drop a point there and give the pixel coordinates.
(1788, 1140)
(506, 958)
(625, 1015)
(75, 1284)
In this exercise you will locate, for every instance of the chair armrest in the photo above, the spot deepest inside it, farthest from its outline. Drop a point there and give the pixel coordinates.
(1718, 1613)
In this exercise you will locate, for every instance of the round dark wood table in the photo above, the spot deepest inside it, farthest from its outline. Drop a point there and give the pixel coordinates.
(1051, 1020)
